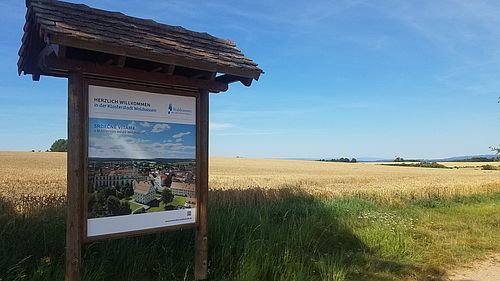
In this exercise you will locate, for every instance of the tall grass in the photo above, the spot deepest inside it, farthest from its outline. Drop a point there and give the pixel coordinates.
(296, 238)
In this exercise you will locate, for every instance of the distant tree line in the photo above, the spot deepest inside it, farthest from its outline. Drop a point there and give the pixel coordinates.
(342, 159)
(480, 159)
(401, 159)
(472, 159)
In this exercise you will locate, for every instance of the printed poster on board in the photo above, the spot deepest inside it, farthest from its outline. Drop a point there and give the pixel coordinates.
(142, 160)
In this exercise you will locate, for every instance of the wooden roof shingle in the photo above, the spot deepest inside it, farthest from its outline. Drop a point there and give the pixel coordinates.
(83, 27)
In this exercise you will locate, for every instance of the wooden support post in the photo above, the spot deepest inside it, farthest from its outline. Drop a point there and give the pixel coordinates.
(201, 239)
(75, 174)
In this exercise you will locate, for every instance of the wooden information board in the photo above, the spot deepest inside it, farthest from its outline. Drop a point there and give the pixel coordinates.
(131, 147)
(137, 119)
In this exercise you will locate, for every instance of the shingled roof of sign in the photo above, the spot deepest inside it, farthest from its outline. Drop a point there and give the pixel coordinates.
(83, 27)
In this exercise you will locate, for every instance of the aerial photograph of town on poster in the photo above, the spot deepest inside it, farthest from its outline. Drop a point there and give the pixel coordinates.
(143, 167)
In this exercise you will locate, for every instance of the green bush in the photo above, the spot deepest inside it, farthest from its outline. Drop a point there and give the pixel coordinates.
(420, 165)
(489, 167)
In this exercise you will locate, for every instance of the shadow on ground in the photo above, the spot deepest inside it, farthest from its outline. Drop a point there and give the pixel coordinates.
(286, 234)
(254, 234)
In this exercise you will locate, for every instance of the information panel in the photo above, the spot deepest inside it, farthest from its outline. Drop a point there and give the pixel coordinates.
(141, 151)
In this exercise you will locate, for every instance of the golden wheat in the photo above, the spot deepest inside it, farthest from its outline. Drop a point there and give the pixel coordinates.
(32, 180)
(386, 183)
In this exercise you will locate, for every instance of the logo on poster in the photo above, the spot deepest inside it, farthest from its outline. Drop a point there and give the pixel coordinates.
(177, 110)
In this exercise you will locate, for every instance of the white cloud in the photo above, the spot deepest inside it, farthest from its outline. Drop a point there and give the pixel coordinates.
(220, 126)
(180, 135)
(145, 124)
(121, 146)
(178, 140)
(157, 128)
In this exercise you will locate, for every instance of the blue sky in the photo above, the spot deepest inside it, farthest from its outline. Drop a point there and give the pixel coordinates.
(109, 138)
(417, 79)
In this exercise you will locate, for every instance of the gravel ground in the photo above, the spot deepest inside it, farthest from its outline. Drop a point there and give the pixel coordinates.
(486, 270)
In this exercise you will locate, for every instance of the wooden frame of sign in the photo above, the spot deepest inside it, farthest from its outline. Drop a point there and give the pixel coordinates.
(78, 128)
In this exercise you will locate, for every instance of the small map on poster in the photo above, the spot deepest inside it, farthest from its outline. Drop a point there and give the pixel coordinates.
(142, 160)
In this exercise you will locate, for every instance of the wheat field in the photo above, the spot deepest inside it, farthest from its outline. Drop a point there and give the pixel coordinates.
(32, 180)
(385, 183)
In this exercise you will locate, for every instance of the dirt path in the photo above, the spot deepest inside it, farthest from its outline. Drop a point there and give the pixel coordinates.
(486, 270)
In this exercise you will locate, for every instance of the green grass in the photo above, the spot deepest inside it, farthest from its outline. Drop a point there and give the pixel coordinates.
(161, 207)
(134, 205)
(177, 201)
(299, 238)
